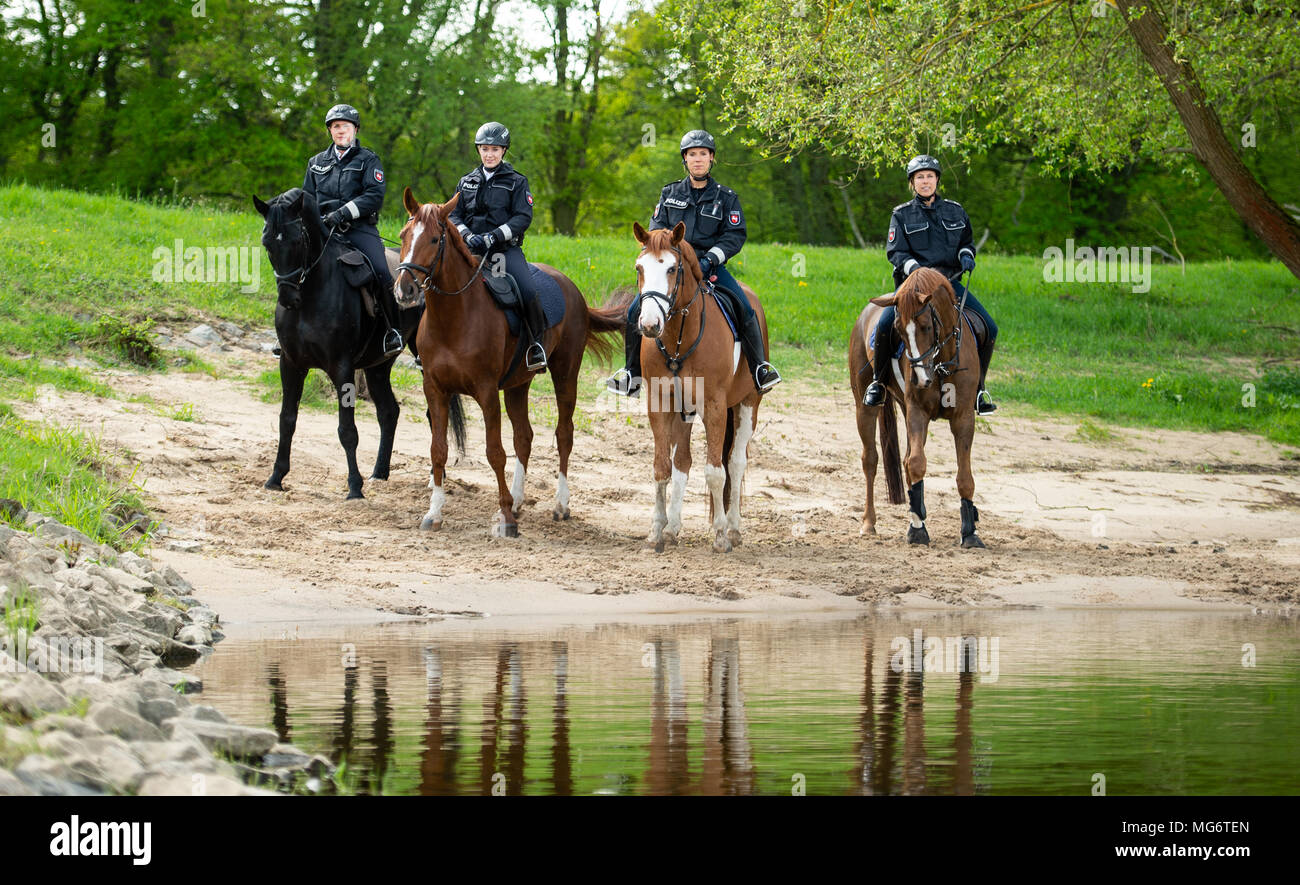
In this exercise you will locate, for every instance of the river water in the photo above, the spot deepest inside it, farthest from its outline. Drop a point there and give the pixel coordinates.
(973, 702)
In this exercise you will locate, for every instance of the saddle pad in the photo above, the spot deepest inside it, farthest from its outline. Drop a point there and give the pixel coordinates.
(359, 274)
(552, 299)
(724, 304)
(976, 326)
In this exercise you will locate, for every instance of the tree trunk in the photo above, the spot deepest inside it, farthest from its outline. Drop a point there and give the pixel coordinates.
(1278, 231)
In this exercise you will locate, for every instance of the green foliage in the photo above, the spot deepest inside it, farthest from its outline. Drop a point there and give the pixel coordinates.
(131, 340)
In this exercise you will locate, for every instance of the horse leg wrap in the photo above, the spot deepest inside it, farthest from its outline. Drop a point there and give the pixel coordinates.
(969, 516)
(916, 498)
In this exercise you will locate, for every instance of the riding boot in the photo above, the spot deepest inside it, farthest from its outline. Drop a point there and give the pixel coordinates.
(393, 343)
(627, 380)
(884, 356)
(535, 358)
(751, 343)
(984, 404)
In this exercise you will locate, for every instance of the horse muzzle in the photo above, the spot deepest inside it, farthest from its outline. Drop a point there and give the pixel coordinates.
(653, 317)
(405, 292)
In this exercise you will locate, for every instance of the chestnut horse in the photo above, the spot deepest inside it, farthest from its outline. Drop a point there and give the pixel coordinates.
(709, 375)
(466, 347)
(940, 380)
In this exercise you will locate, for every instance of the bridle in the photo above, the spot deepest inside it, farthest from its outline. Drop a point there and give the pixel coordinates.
(423, 288)
(287, 278)
(947, 367)
(670, 310)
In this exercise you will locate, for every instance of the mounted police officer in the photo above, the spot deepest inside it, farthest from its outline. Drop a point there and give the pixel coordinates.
(715, 226)
(929, 231)
(348, 184)
(494, 211)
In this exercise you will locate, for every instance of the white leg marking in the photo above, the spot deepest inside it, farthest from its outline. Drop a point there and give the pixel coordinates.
(517, 487)
(739, 459)
(916, 521)
(562, 495)
(660, 518)
(716, 477)
(675, 503)
(436, 499)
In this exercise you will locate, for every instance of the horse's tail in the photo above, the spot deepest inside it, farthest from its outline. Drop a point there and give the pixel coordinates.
(605, 323)
(458, 423)
(889, 450)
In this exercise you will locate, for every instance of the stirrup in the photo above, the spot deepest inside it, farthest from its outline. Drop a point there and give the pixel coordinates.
(276, 350)
(392, 342)
(535, 358)
(984, 404)
(773, 377)
(624, 383)
(877, 388)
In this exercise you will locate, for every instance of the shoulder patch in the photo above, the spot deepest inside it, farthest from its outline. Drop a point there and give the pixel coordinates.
(734, 218)
(530, 198)
(891, 233)
(379, 175)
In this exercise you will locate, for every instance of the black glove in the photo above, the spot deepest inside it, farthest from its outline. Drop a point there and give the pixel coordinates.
(475, 243)
(335, 218)
(706, 266)
(967, 261)
(489, 240)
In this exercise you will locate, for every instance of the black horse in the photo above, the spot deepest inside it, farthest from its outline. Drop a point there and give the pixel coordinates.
(323, 324)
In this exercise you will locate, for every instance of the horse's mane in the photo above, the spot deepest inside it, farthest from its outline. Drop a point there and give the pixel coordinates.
(922, 281)
(661, 240)
(428, 212)
(280, 209)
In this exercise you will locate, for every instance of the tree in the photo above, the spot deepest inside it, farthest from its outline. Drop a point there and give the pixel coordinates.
(1088, 84)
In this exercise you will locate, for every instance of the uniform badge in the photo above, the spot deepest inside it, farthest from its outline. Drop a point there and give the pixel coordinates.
(379, 175)
(891, 235)
(734, 218)
(530, 198)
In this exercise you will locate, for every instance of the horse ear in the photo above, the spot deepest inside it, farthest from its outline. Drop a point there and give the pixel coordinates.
(925, 297)
(448, 206)
(642, 236)
(679, 232)
(261, 207)
(409, 202)
(885, 300)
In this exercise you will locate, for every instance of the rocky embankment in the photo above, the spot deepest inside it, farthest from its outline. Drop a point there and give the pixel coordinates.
(93, 694)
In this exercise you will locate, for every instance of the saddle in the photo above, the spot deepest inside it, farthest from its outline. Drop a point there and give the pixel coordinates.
(360, 276)
(723, 297)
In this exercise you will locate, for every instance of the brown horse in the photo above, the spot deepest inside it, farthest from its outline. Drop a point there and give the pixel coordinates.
(940, 380)
(709, 375)
(466, 347)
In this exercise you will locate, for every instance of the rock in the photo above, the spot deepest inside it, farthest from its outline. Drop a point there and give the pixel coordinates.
(203, 335)
(184, 683)
(229, 329)
(59, 744)
(180, 655)
(61, 533)
(121, 580)
(196, 785)
(33, 696)
(11, 509)
(160, 619)
(174, 580)
(184, 546)
(194, 635)
(204, 616)
(54, 777)
(12, 786)
(114, 762)
(286, 756)
(217, 636)
(189, 601)
(236, 740)
(188, 749)
(205, 713)
(75, 578)
(116, 720)
(159, 710)
(71, 725)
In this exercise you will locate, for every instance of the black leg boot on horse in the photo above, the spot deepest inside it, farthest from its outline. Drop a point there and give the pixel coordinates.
(627, 380)
(884, 358)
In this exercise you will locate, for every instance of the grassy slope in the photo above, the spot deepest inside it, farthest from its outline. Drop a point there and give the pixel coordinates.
(1177, 356)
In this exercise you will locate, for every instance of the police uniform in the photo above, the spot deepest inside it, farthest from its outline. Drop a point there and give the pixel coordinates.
(353, 182)
(936, 236)
(715, 226)
(500, 204)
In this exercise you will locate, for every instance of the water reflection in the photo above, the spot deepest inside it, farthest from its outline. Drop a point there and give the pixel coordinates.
(742, 707)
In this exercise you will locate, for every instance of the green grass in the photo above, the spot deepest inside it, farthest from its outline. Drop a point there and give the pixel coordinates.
(1218, 343)
(61, 473)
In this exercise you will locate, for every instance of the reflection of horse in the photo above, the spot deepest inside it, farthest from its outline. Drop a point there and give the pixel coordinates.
(466, 347)
(707, 373)
(322, 324)
(927, 323)
(668, 773)
(727, 768)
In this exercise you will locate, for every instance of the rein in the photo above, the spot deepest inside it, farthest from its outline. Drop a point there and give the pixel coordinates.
(947, 367)
(676, 360)
(300, 271)
(422, 288)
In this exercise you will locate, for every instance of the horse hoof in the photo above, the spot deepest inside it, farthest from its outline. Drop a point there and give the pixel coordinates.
(429, 525)
(505, 530)
(375, 476)
(559, 513)
(733, 535)
(721, 544)
(971, 540)
(866, 530)
(353, 496)
(659, 546)
(918, 536)
(670, 538)
(274, 485)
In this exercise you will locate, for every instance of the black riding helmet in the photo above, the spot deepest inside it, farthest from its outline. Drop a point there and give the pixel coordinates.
(493, 133)
(697, 138)
(920, 162)
(343, 112)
